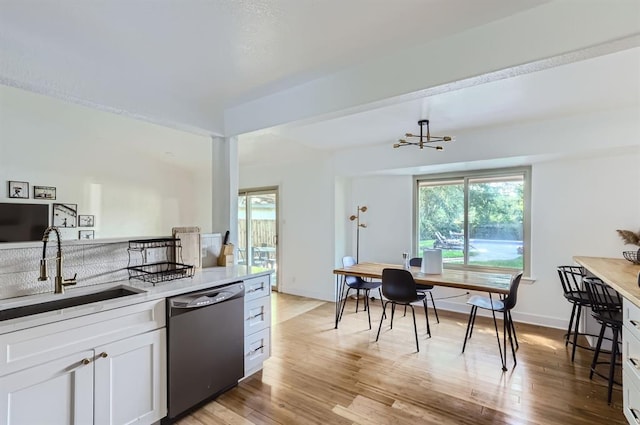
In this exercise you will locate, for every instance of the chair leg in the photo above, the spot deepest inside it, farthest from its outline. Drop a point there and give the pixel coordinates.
(415, 327)
(393, 311)
(612, 363)
(495, 325)
(568, 335)
(597, 352)
(435, 310)
(357, 299)
(344, 303)
(473, 321)
(575, 332)
(381, 302)
(424, 303)
(513, 329)
(467, 334)
(384, 307)
(366, 306)
(511, 332)
(405, 311)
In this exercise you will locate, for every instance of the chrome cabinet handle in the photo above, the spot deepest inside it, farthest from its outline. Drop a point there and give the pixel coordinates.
(256, 350)
(103, 355)
(85, 361)
(634, 362)
(634, 323)
(255, 316)
(260, 288)
(635, 416)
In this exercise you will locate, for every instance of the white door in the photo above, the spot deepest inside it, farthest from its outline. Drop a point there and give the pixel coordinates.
(59, 392)
(131, 380)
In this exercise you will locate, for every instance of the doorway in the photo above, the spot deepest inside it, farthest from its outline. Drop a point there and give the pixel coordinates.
(258, 230)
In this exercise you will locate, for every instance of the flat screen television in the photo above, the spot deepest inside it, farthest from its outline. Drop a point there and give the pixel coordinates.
(23, 222)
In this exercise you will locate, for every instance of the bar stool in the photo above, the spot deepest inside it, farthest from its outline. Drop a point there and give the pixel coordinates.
(606, 307)
(571, 279)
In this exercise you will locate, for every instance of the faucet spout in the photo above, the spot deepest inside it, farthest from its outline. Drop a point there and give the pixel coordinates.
(59, 281)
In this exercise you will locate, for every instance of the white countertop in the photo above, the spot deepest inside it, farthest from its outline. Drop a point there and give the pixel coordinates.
(202, 279)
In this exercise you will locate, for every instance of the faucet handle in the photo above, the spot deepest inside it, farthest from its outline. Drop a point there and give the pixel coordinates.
(72, 281)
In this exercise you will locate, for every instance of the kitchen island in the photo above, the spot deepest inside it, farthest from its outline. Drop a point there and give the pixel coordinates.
(623, 276)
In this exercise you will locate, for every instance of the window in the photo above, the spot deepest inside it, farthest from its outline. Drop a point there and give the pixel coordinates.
(478, 219)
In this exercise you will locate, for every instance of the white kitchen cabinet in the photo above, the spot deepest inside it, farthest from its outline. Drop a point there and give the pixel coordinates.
(257, 323)
(103, 368)
(130, 380)
(631, 361)
(59, 392)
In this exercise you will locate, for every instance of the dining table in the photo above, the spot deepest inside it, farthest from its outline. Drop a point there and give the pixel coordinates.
(470, 280)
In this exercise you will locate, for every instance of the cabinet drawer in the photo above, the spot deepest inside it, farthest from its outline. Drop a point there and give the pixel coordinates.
(631, 355)
(257, 348)
(257, 315)
(257, 287)
(631, 398)
(631, 317)
(40, 344)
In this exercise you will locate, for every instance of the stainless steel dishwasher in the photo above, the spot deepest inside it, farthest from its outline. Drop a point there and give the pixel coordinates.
(205, 345)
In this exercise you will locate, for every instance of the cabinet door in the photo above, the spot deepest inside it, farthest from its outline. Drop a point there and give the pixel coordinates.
(57, 392)
(131, 380)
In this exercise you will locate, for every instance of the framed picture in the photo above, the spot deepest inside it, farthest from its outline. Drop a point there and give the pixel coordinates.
(18, 189)
(64, 215)
(86, 220)
(86, 234)
(44, 192)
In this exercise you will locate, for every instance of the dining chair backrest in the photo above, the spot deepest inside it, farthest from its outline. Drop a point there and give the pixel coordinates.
(512, 298)
(571, 278)
(398, 285)
(606, 302)
(349, 261)
(415, 262)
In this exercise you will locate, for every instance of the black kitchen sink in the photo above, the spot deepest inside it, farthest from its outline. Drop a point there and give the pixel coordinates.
(28, 310)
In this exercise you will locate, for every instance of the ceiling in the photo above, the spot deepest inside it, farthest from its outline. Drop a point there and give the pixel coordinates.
(185, 64)
(597, 84)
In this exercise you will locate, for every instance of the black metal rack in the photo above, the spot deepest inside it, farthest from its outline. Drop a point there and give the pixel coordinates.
(157, 260)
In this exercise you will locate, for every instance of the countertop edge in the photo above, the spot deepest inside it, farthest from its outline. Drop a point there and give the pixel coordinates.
(202, 279)
(620, 274)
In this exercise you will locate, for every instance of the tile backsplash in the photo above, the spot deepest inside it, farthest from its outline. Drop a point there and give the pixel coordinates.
(95, 263)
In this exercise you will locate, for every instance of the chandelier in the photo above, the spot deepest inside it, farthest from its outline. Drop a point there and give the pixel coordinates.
(422, 139)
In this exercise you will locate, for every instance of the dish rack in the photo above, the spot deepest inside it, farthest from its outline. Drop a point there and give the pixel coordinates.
(157, 260)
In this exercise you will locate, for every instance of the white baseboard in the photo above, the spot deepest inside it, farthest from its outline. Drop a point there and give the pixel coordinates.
(532, 319)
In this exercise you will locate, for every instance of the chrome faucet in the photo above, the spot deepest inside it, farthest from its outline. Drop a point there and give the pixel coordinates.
(60, 282)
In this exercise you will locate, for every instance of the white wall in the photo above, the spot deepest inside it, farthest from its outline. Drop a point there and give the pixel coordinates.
(585, 185)
(306, 223)
(137, 178)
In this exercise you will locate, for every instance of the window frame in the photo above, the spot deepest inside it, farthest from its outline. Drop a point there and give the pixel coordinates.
(465, 176)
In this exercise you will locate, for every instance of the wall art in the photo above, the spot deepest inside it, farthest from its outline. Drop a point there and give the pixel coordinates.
(18, 189)
(86, 220)
(86, 234)
(64, 215)
(44, 192)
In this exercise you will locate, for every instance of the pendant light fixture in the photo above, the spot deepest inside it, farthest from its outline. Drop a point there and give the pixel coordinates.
(422, 139)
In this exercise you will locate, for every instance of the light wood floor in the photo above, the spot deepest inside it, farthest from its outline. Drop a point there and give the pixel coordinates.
(319, 375)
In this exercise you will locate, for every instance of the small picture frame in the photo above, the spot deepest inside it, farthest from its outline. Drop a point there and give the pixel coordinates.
(64, 215)
(86, 220)
(86, 234)
(18, 189)
(44, 192)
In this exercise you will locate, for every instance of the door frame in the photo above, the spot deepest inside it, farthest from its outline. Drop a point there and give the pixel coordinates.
(261, 191)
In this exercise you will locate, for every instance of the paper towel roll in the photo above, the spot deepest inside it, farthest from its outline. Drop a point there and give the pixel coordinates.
(431, 261)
